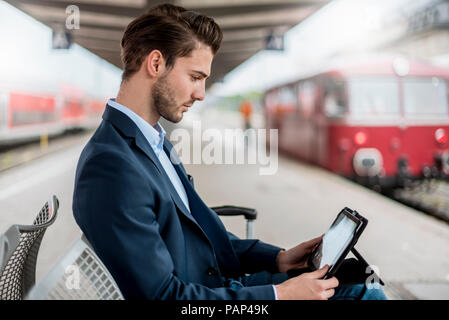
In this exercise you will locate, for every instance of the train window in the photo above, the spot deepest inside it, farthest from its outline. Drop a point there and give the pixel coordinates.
(374, 97)
(334, 98)
(287, 97)
(425, 96)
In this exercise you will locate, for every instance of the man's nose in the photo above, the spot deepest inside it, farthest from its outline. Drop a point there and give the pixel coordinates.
(199, 92)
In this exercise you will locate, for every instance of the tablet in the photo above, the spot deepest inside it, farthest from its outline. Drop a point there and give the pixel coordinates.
(338, 241)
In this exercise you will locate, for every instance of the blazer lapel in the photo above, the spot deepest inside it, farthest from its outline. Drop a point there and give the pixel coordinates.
(208, 220)
(123, 123)
(143, 145)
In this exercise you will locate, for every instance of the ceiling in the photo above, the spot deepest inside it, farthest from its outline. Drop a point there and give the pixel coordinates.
(245, 23)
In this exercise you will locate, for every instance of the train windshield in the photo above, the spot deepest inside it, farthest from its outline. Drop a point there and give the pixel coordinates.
(425, 96)
(374, 96)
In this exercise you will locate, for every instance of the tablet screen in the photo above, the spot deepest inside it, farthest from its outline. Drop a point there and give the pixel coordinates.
(336, 239)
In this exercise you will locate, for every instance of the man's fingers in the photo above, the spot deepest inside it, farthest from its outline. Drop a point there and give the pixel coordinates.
(320, 273)
(314, 242)
(330, 283)
(317, 239)
(329, 293)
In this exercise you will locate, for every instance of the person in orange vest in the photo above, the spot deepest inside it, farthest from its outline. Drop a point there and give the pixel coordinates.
(246, 110)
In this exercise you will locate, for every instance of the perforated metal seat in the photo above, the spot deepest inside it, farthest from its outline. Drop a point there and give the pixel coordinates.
(19, 247)
(78, 275)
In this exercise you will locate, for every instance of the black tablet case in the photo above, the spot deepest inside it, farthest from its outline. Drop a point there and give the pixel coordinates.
(352, 270)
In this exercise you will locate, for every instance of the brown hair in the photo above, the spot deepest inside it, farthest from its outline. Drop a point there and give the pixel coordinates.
(171, 29)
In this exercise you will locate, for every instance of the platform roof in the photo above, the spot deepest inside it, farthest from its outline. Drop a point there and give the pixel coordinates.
(245, 23)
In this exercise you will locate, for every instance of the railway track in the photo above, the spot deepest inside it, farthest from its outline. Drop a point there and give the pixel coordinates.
(14, 155)
(429, 195)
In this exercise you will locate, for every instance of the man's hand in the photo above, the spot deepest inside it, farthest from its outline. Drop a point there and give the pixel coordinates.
(308, 286)
(296, 257)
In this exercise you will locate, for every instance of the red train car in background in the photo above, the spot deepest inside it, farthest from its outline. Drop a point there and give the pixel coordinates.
(379, 122)
(26, 114)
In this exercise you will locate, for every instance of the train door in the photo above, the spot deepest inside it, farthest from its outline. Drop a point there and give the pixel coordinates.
(306, 101)
(3, 106)
(319, 135)
(288, 131)
(273, 115)
(331, 107)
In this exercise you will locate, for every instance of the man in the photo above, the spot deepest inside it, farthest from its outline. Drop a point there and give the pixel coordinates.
(246, 110)
(139, 210)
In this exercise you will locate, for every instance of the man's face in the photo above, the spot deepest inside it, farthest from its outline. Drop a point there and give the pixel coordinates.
(182, 85)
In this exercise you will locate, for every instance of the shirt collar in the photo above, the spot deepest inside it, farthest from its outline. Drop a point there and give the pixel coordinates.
(154, 135)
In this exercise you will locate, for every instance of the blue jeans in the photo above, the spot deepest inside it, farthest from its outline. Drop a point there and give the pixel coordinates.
(358, 292)
(342, 292)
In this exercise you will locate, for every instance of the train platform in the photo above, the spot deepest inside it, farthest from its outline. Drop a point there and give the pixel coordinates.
(296, 203)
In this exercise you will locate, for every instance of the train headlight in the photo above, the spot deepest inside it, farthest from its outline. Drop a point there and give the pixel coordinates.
(368, 162)
(360, 138)
(440, 136)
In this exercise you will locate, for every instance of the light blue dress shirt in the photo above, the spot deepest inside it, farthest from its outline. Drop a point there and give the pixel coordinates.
(155, 137)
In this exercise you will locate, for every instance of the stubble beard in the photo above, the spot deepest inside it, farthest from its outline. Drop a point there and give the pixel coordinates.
(164, 101)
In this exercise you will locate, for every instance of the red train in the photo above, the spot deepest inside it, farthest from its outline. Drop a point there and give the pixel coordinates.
(380, 122)
(26, 115)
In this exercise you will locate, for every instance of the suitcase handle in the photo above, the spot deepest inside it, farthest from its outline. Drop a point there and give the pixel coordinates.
(249, 213)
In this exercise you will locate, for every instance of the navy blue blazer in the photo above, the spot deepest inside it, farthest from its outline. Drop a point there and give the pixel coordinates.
(138, 225)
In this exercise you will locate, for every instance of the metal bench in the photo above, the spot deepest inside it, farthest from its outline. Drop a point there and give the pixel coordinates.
(19, 247)
(80, 275)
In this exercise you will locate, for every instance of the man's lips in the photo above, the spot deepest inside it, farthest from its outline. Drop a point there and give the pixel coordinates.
(186, 106)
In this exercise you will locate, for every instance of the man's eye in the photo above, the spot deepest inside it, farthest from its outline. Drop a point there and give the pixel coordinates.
(196, 78)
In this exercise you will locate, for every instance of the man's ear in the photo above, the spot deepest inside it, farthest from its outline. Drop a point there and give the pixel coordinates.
(155, 63)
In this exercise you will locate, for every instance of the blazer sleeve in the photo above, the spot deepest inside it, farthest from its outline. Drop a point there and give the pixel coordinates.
(116, 210)
(255, 255)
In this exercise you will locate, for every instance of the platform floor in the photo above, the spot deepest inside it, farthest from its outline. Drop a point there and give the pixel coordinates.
(410, 248)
